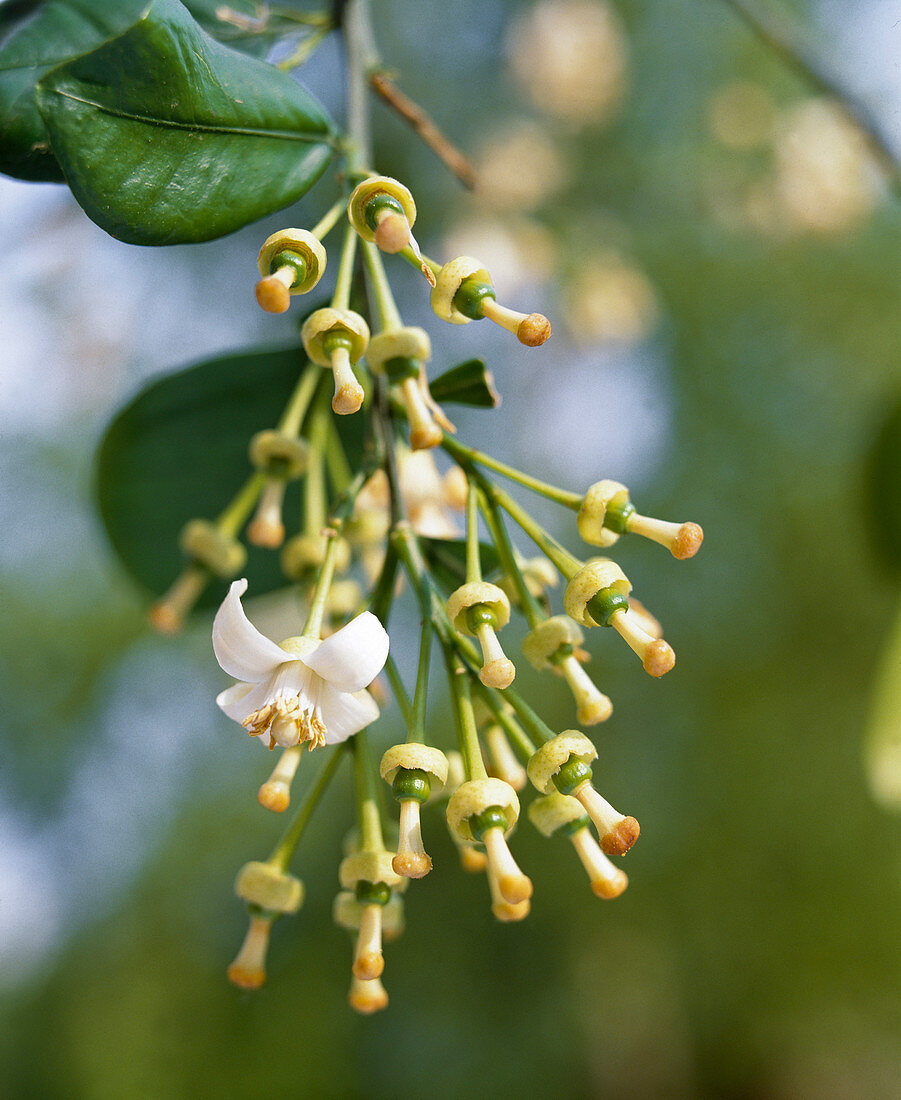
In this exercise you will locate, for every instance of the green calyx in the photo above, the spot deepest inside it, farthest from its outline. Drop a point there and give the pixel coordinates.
(278, 467)
(492, 818)
(480, 614)
(572, 775)
(372, 893)
(400, 368)
(411, 785)
(605, 604)
(616, 516)
(294, 260)
(468, 299)
(564, 650)
(338, 338)
(271, 915)
(373, 209)
(568, 828)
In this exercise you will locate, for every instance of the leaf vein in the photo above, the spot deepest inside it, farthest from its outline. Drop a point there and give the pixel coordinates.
(198, 127)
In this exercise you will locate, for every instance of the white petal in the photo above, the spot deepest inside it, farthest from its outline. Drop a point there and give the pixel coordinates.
(344, 714)
(353, 656)
(240, 700)
(241, 650)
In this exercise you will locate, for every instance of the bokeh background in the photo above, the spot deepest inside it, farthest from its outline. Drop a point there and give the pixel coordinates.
(719, 253)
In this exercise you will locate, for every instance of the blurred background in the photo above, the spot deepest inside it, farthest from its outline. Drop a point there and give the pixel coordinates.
(719, 252)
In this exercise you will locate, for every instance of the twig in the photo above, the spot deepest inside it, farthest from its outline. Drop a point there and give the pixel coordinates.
(410, 111)
(785, 40)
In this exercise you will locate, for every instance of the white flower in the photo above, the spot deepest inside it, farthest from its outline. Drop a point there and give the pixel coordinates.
(304, 689)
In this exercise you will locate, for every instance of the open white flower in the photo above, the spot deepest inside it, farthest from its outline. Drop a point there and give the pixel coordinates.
(304, 689)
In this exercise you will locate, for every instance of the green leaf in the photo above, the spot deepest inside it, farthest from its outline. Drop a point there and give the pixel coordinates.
(168, 137)
(446, 559)
(38, 36)
(882, 747)
(179, 451)
(884, 487)
(469, 383)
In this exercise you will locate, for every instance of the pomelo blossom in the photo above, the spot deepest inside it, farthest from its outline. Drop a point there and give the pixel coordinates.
(304, 689)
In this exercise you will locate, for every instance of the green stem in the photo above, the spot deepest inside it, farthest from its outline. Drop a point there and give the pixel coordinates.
(410, 256)
(341, 296)
(292, 418)
(380, 289)
(327, 221)
(563, 561)
(517, 736)
(314, 497)
(366, 789)
(336, 460)
(416, 721)
(284, 850)
(473, 561)
(470, 749)
(361, 58)
(537, 727)
(469, 454)
(527, 602)
(234, 516)
(384, 428)
(383, 592)
(400, 692)
(313, 627)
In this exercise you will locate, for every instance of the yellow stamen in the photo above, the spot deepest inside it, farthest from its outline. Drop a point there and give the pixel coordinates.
(168, 614)
(348, 391)
(497, 671)
(616, 831)
(266, 528)
(515, 887)
(656, 655)
(275, 793)
(368, 959)
(607, 880)
(273, 290)
(367, 996)
(530, 329)
(683, 540)
(591, 703)
(412, 860)
(249, 968)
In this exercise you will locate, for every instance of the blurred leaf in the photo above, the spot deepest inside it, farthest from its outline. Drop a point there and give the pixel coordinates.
(179, 450)
(885, 487)
(40, 35)
(883, 738)
(446, 559)
(469, 383)
(167, 137)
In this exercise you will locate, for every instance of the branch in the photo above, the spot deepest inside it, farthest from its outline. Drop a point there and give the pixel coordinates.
(410, 111)
(788, 43)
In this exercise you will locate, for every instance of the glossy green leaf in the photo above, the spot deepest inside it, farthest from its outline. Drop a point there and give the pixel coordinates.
(168, 137)
(469, 383)
(37, 36)
(884, 487)
(179, 451)
(446, 559)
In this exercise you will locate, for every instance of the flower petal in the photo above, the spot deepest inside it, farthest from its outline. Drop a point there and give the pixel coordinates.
(239, 700)
(241, 650)
(344, 713)
(353, 656)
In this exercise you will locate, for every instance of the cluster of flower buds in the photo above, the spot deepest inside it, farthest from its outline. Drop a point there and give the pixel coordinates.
(383, 527)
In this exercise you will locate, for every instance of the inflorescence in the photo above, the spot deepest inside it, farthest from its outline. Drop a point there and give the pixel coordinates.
(362, 533)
